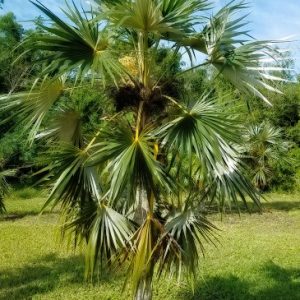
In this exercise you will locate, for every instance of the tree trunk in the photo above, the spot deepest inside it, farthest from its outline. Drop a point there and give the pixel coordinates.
(142, 207)
(144, 291)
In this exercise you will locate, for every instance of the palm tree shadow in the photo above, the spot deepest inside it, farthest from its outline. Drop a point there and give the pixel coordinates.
(285, 285)
(282, 205)
(266, 206)
(44, 275)
(18, 215)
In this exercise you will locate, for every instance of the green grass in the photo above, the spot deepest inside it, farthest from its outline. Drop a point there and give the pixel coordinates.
(258, 258)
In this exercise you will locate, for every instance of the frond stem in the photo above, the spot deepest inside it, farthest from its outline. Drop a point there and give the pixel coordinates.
(208, 62)
(138, 122)
(176, 103)
(92, 141)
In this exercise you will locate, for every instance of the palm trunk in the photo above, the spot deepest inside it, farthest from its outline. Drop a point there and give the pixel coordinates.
(142, 206)
(144, 290)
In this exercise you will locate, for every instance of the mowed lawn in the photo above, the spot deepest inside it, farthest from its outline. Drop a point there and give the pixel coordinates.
(258, 258)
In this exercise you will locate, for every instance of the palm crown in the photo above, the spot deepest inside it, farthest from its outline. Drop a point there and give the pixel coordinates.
(137, 189)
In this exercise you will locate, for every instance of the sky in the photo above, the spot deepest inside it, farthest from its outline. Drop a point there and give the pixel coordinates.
(269, 19)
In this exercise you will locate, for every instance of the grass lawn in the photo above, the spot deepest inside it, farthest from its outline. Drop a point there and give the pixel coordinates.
(258, 258)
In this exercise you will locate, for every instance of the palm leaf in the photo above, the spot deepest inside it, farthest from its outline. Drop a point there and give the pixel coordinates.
(188, 228)
(64, 127)
(160, 17)
(217, 26)
(141, 15)
(204, 130)
(82, 47)
(263, 146)
(32, 106)
(109, 232)
(238, 59)
(74, 181)
(77, 189)
(131, 161)
(232, 51)
(142, 252)
(231, 187)
(207, 133)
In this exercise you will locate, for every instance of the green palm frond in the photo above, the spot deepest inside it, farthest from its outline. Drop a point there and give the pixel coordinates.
(202, 130)
(91, 48)
(65, 127)
(239, 59)
(243, 68)
(140, 15)
(110, 231)
(263, 134)
(221, 29)
(74, 181)
(182, 15)
(144, 241)
(32, 106)
(143, 251)
(231, 187)
(77, 189)
(207, 133)
(261, 175)
(232, 51)
(157, 16)
(131, 161)
(189, 229)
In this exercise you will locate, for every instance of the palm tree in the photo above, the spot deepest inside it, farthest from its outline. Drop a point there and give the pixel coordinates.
(263, 147)
(136, 191)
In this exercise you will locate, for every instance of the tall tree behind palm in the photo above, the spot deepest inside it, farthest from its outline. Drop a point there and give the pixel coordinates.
(135, 191)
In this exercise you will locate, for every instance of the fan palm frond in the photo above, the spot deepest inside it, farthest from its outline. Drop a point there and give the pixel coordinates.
(231, 187)
(243, 68)
(156, 16)
(182, 15)
(131, 160)
(92, 49)
(143, 243)
(231, 50)
(65, 127)
(188, 228)
(204, 130)
(85, 217)
(141, 15)
(143, 251)
(239, 59)
(74, 181)
(110, 231)
(220, 29)
(32, 106)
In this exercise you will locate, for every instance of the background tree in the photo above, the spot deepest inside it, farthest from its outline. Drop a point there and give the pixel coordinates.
(14, 76)
(264, 148)
(10, 37)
